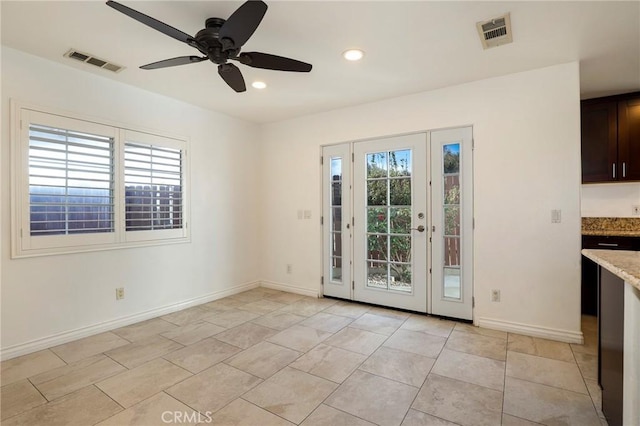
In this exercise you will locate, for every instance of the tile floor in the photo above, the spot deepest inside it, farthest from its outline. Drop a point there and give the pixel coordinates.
(265, 357)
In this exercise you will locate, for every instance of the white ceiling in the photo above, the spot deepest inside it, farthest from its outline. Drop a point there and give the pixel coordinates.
(410, 47)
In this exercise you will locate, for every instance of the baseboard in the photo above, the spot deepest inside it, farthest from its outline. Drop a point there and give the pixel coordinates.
(532, 330)
(290, 288)
(79, 333)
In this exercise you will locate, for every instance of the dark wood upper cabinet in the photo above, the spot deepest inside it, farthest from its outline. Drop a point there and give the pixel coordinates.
(610, 130)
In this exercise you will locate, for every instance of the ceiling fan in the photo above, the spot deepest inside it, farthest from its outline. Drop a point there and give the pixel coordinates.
(219, 42)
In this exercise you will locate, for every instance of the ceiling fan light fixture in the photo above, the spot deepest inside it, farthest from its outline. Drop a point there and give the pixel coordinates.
(353, 54)
(259, 85)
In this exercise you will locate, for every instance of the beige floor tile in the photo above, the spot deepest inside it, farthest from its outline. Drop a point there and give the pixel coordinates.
(418, 418)
(246, 335)
(278, 320)
(264, 359)
(299, 338)
(243, 413)
(347, 309)
(429, 325)
(588, 365)
(327, 322)
(202, 355)
(469, 328)
(508, 420)
(356, 340)
(329, 362)
(560, 374)
(143, 350)
(548, 405)
(144, 329)
(88, 346)
(291, 393)
(361, 395)
(130, 387)
(401, 366)
(187, 316)
(474, 369)
(596, 394)
(86, 406)
(590, 344)
(214, 388)
(540, 347)
(248, 296)
(224, 304)
(157, 410)
(24, 366)
(262, 306)
(459, 402)
(194, 332)
(329, 416)
(65, 380)
(416, 342)
(478, 344)
(231, 318)
(286, 298)
(305, 307)
(388, 312)
(378, 323)
(19, 397)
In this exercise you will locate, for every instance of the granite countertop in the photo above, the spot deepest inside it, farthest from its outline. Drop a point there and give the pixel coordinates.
(623, 263)
(611, 226)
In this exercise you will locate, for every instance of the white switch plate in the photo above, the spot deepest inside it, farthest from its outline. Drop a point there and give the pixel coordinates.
(307, 214)
(300, 214)
(556, 216)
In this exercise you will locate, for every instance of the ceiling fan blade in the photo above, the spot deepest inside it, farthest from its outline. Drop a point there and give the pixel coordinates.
(152, 22)
(272, 62)
(232, 76)
(242, 24)
(181, 60)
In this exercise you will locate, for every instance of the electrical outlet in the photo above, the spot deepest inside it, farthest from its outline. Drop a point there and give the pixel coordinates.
(635, 210)
(289, 268)
(119, 293)
(495, 295)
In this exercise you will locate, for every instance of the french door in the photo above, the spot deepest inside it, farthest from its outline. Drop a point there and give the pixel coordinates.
(388, 238)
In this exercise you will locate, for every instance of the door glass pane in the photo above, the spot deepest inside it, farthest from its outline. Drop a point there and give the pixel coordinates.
(336, 268)
(377, 275)
(377, 220)
(400, 192)
(451, 212)
(336, 219)
(388, 228)
(377, 192)
(400, 277)
(400, 220)
(377, 165)
(400, 163)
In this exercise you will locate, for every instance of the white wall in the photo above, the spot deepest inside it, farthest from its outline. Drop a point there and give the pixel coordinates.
(610, 199)
(44, 296)
(527, 162)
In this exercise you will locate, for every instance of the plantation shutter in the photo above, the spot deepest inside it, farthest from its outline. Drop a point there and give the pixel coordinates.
(71, 182)
(153, 177)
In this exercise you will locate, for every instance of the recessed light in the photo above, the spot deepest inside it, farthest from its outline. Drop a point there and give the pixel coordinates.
(259, 85)
(353, 54)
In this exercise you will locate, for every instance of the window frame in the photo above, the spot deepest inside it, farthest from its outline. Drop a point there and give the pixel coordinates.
(23, 244)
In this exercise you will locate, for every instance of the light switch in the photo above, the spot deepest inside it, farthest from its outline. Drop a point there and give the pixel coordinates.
(556, 216)
(300, 214)
(307, 214)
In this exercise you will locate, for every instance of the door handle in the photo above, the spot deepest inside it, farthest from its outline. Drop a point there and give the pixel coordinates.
(419, 228)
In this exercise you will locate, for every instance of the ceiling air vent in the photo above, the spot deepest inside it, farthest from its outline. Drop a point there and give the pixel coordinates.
(495, 32)
(90, 59)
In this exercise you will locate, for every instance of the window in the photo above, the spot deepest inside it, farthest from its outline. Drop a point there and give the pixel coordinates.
(81, 185)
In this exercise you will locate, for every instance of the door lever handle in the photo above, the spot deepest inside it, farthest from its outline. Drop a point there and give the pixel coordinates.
(419, 228)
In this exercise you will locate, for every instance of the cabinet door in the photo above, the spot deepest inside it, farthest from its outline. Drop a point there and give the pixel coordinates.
(629, 139)
(599, 141)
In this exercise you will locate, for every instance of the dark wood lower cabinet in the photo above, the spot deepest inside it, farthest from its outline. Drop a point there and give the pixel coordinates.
(611, 344)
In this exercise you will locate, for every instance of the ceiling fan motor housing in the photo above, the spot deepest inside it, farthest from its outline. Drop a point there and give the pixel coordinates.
(209, 38)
